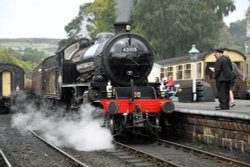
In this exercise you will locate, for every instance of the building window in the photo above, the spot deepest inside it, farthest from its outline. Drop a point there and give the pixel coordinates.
(169, 71)
(179, 71)
(187, 71)
(162, 72)
(199, 70)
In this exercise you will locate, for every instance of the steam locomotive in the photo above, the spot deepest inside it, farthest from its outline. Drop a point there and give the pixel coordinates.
(110, 72)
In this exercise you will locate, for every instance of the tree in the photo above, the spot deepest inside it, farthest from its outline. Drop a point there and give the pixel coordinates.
(93, 18)
(78, 27)
(225, 39)
(104, 16)
(10, 56)
(238, 31)
(173, 26)
(33, 55)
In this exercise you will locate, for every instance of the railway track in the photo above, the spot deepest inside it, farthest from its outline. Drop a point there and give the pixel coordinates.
(138, 155)
(4, 162)
(160, 152)
(139, 158)
(204, 154)
(86, 158)
(69, 157)
(24, 149)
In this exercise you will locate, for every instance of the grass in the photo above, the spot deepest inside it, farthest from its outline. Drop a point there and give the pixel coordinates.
(43, 45)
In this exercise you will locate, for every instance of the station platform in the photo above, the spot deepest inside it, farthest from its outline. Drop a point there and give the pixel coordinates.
(240, 111)
(200, 122)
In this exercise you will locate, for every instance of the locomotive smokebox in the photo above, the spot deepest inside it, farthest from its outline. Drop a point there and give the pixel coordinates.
(122, 27)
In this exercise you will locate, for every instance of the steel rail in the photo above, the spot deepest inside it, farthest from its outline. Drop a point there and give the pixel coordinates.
(71, 158)
(5, 158)
(149, 158)
(207, 155)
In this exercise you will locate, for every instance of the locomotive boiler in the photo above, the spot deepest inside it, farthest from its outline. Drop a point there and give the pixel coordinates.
(110, 72)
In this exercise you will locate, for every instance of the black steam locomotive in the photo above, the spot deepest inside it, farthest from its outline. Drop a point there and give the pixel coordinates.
(110, 72)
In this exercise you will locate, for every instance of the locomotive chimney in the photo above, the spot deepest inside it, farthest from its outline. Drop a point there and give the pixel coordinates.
(122, 27)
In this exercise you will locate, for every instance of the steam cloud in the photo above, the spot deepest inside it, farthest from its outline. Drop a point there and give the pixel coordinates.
(80, 130)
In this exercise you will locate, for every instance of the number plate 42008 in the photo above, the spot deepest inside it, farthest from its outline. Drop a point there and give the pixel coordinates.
(129, 49)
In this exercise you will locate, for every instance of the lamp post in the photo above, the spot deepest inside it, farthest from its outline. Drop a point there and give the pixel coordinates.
(193, 55)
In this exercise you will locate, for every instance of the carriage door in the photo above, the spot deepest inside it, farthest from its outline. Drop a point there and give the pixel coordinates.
(6, 83)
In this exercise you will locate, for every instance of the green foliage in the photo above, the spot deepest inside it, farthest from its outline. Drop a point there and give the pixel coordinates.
(10, 56)
(173, 26)
(238, 31)
(104, 16)
(74, 28)
(34, 56)
(225, 38)
(49, 46)
(170, 26)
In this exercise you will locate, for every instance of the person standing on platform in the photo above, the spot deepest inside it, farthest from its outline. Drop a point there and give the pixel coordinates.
(170, 83)
(238, 75)
(157, 80)
(223, 76)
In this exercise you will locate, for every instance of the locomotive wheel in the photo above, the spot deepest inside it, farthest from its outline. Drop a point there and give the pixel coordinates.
(157, 121)
(85, 99)
(74, 103)
(112, 126)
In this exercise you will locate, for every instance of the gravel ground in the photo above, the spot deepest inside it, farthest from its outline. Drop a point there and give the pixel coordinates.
(176, 156)
(233, 154)
(98, 158)
(25, 150)
(180, 157)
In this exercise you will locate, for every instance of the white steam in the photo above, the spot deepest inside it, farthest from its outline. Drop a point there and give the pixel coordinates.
(86, 26)
(80, 130)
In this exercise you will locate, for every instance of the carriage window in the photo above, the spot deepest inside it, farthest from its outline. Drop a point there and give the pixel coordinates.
(162, 72)
(208, 74)
(68, 53)
(179, 71)
(187, 71)
(79, 55)
(169, 71)
(239, 64)
(199, 70)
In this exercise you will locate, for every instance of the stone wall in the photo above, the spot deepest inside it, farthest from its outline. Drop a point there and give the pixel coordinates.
(224, 132)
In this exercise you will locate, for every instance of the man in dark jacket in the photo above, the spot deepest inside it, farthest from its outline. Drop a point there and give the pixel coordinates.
(223, 76)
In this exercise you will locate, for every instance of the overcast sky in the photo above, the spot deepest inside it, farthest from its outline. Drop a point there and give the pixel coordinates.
(239, 13)
(47, 18)
(37, 18)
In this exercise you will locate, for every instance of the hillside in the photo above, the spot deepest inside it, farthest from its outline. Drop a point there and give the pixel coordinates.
(49, 46)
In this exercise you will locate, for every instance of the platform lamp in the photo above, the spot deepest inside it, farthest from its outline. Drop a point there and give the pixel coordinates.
(193, 56)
